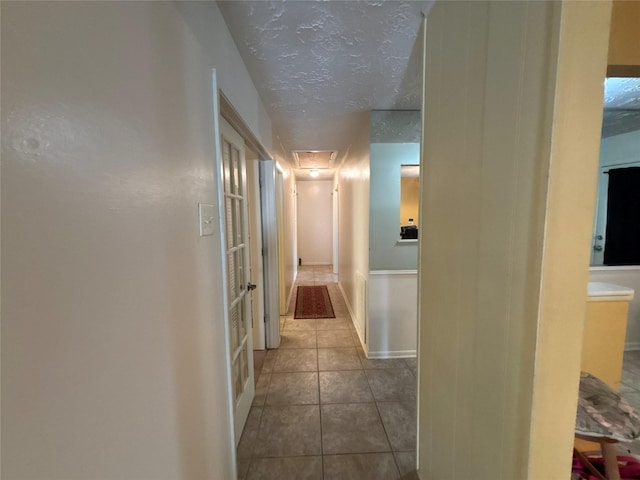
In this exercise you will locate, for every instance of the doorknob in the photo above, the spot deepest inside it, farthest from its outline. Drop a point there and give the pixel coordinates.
(250, 286)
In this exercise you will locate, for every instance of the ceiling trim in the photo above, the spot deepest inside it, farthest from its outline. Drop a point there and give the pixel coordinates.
(231, 115)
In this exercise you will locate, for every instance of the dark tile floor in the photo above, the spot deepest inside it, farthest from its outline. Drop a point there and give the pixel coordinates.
(324, 411)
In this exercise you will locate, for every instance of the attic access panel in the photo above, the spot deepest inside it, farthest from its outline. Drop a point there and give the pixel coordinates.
(314, 159)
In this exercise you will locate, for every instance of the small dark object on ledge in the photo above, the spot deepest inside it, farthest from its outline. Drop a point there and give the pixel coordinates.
(409, 232)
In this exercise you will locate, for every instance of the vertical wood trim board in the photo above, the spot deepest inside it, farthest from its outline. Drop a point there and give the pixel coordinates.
(492, 95)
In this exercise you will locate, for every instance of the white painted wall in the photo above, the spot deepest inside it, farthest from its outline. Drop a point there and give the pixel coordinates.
(208, 28)
(392, 291)
(315, 222)
(512, 125)
(392, 317)
(620, 149)
(113, 345)
(353, 199)
(393, 279)
(385, 253)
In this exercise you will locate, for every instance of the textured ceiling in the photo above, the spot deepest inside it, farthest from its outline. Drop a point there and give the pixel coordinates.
(621, 106)
(319, 66)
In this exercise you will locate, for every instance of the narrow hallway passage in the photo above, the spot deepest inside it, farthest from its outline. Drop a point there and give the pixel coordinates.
(324, 411)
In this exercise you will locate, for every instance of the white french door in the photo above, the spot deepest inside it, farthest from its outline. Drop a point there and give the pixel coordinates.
(237, 273)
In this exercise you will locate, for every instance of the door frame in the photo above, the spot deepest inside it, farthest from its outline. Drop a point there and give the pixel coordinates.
(231, 115)
(223, 109)
(240, 244)
(270, 256)
(216, 97)
(256, 249)
(335, 198)
(271, 246)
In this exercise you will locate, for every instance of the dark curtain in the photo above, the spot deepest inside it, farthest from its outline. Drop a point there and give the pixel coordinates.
(622, 245)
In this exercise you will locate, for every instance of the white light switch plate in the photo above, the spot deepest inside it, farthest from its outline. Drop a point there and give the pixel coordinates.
(207, 219)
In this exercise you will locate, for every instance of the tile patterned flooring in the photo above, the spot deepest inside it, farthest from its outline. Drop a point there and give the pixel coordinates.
(324, 411)
(631, 392)
(631, 378)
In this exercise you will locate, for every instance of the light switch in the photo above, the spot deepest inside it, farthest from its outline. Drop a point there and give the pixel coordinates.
(207, 219)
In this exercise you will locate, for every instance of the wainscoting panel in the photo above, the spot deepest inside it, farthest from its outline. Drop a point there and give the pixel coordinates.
(392, 326)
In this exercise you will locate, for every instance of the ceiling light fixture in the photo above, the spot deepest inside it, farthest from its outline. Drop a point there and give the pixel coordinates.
(314, 173)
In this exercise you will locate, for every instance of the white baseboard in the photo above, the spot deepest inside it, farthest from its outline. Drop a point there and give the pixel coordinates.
(631, 346)
(346, 300)
(362, 344)
(316, 264)
(291, 290)
(352, 316)
(392, 354)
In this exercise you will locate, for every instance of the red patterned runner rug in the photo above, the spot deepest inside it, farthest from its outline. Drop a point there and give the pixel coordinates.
(313, 302)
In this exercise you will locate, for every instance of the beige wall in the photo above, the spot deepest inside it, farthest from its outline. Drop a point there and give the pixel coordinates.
(510, 156)
(574, 150)
(409, 198)
(624, 41)
(353, 230)
(113, 353)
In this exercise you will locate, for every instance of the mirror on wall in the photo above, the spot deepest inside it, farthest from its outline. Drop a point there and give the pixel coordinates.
(616, 233)
(409, 201)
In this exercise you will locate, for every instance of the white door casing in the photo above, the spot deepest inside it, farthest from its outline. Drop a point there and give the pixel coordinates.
(600, 223)
(336, 224)
(271, 265)
(236, 267)
(282, 290)
(255, 243)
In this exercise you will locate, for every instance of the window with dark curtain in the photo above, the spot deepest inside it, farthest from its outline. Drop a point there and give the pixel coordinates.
(622, 245)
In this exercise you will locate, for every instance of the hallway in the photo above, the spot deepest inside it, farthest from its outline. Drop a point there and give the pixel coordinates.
(324, 411)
